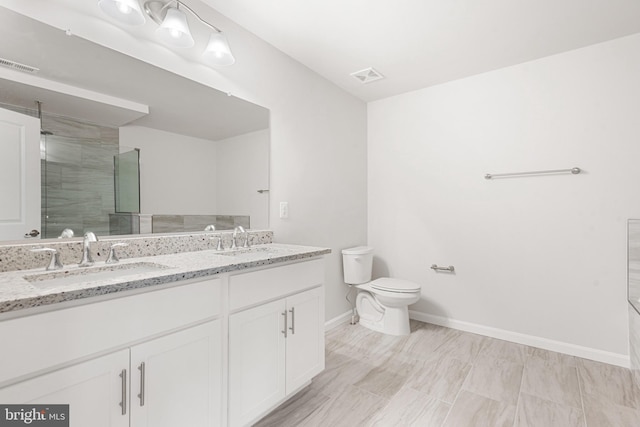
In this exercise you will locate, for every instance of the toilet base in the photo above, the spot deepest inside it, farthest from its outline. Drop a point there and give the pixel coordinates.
(387, 320)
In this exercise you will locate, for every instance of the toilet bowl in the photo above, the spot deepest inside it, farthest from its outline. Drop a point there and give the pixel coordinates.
(382, 303)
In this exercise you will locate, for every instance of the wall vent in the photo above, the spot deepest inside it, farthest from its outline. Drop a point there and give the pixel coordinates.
(367, 75)
(17, 66)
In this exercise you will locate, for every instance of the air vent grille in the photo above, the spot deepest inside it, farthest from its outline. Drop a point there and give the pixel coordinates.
(367, 75)
(17, 66)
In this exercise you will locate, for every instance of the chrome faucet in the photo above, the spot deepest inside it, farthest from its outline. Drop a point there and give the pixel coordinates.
(87, 259)
(112, 258)
(241, 229)
(54, 261)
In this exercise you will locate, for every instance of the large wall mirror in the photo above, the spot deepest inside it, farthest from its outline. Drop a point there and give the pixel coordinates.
(633, 263)
(124, 147)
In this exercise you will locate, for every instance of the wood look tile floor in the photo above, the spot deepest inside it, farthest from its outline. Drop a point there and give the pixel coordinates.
(443, 377)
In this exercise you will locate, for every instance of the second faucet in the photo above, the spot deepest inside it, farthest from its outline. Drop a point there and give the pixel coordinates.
(87, 259)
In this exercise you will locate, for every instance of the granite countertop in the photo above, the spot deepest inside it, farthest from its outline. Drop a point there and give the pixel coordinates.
(34, 288)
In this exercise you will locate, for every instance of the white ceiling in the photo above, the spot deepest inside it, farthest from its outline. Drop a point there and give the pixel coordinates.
(419, 43)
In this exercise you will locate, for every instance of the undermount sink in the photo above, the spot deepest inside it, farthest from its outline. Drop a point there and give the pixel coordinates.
(243, 251)
(255, 252)
(91, 274)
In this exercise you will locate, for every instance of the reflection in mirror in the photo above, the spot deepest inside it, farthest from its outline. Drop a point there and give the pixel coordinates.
(202, 155)
(126, 173)
(77, 176)
(633, 263)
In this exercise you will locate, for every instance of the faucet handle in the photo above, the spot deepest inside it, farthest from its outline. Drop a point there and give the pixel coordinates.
(220, 246)
(54, 261)
(112, 258)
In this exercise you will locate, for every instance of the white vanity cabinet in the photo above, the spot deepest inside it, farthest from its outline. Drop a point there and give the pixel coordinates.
(175, 334)
(200, 353)
(275, 346)
(170, 381)
(176, 380)
(93, 390)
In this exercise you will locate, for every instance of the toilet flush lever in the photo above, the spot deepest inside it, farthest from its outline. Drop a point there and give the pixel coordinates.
(435, 267)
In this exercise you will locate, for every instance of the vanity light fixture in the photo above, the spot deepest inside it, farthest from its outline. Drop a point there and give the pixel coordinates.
(125, 11)
(173, 27)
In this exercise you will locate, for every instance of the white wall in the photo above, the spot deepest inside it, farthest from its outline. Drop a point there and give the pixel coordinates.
(183, 175)
(541, 260)
(177, 172)
(318, 131)
(242, 170)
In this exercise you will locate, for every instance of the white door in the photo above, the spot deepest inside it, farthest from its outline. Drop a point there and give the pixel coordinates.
(19, 174)
(256, 361)
(94, 391)
(176, 379)
(305, 340)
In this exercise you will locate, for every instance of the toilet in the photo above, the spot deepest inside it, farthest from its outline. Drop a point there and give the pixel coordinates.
(382, 303)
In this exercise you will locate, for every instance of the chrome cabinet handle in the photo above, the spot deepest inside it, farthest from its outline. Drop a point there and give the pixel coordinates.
(284, 313)
(141, 368)
(293, 321)
(123, 404)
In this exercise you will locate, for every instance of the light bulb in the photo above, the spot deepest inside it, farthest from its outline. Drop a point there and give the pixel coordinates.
(174, 29)
(122, 7)
(218, 51)
(125, 11)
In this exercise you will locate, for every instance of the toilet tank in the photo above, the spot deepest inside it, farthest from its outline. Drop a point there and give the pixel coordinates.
(357, 263)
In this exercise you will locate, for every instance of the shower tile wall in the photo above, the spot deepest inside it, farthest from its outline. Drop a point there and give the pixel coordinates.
(77, 178)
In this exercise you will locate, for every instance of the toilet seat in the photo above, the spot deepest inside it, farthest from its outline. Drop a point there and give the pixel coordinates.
(389, 284)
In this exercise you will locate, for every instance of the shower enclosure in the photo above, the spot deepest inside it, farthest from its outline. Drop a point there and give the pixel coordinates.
(86, 178)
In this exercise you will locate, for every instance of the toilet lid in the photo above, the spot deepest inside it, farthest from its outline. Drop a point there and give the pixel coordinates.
(394, 285)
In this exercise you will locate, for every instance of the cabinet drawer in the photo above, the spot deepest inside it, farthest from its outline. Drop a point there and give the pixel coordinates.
(42, 341)
(247, 289)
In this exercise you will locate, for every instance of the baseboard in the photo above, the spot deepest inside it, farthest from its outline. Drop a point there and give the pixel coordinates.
(337, 321)
(530, 340)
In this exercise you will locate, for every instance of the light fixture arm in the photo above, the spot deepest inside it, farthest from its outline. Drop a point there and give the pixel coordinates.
(157, 15)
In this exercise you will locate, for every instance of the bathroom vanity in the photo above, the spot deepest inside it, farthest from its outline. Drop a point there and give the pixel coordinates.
(200, 339)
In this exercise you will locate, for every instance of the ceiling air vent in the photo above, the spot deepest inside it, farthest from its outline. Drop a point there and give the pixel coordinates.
(17, 66)
(367, 75)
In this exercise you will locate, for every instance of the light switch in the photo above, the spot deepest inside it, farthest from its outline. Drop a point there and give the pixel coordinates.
(284, 209)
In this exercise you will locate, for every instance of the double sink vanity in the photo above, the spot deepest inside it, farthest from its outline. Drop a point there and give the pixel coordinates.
(192, 336)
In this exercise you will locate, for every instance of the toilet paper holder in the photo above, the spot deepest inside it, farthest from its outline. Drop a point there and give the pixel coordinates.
(435, 267)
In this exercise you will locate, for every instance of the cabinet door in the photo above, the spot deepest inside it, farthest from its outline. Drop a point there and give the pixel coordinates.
(176, 379)
(93, 390)
(305, 340)
(256, 361)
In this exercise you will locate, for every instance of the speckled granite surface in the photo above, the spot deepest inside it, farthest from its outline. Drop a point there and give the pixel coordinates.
(22, 289)
(19, 256)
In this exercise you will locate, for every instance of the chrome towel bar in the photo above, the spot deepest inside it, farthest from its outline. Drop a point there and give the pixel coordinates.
(574, 171)
(435, 267)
